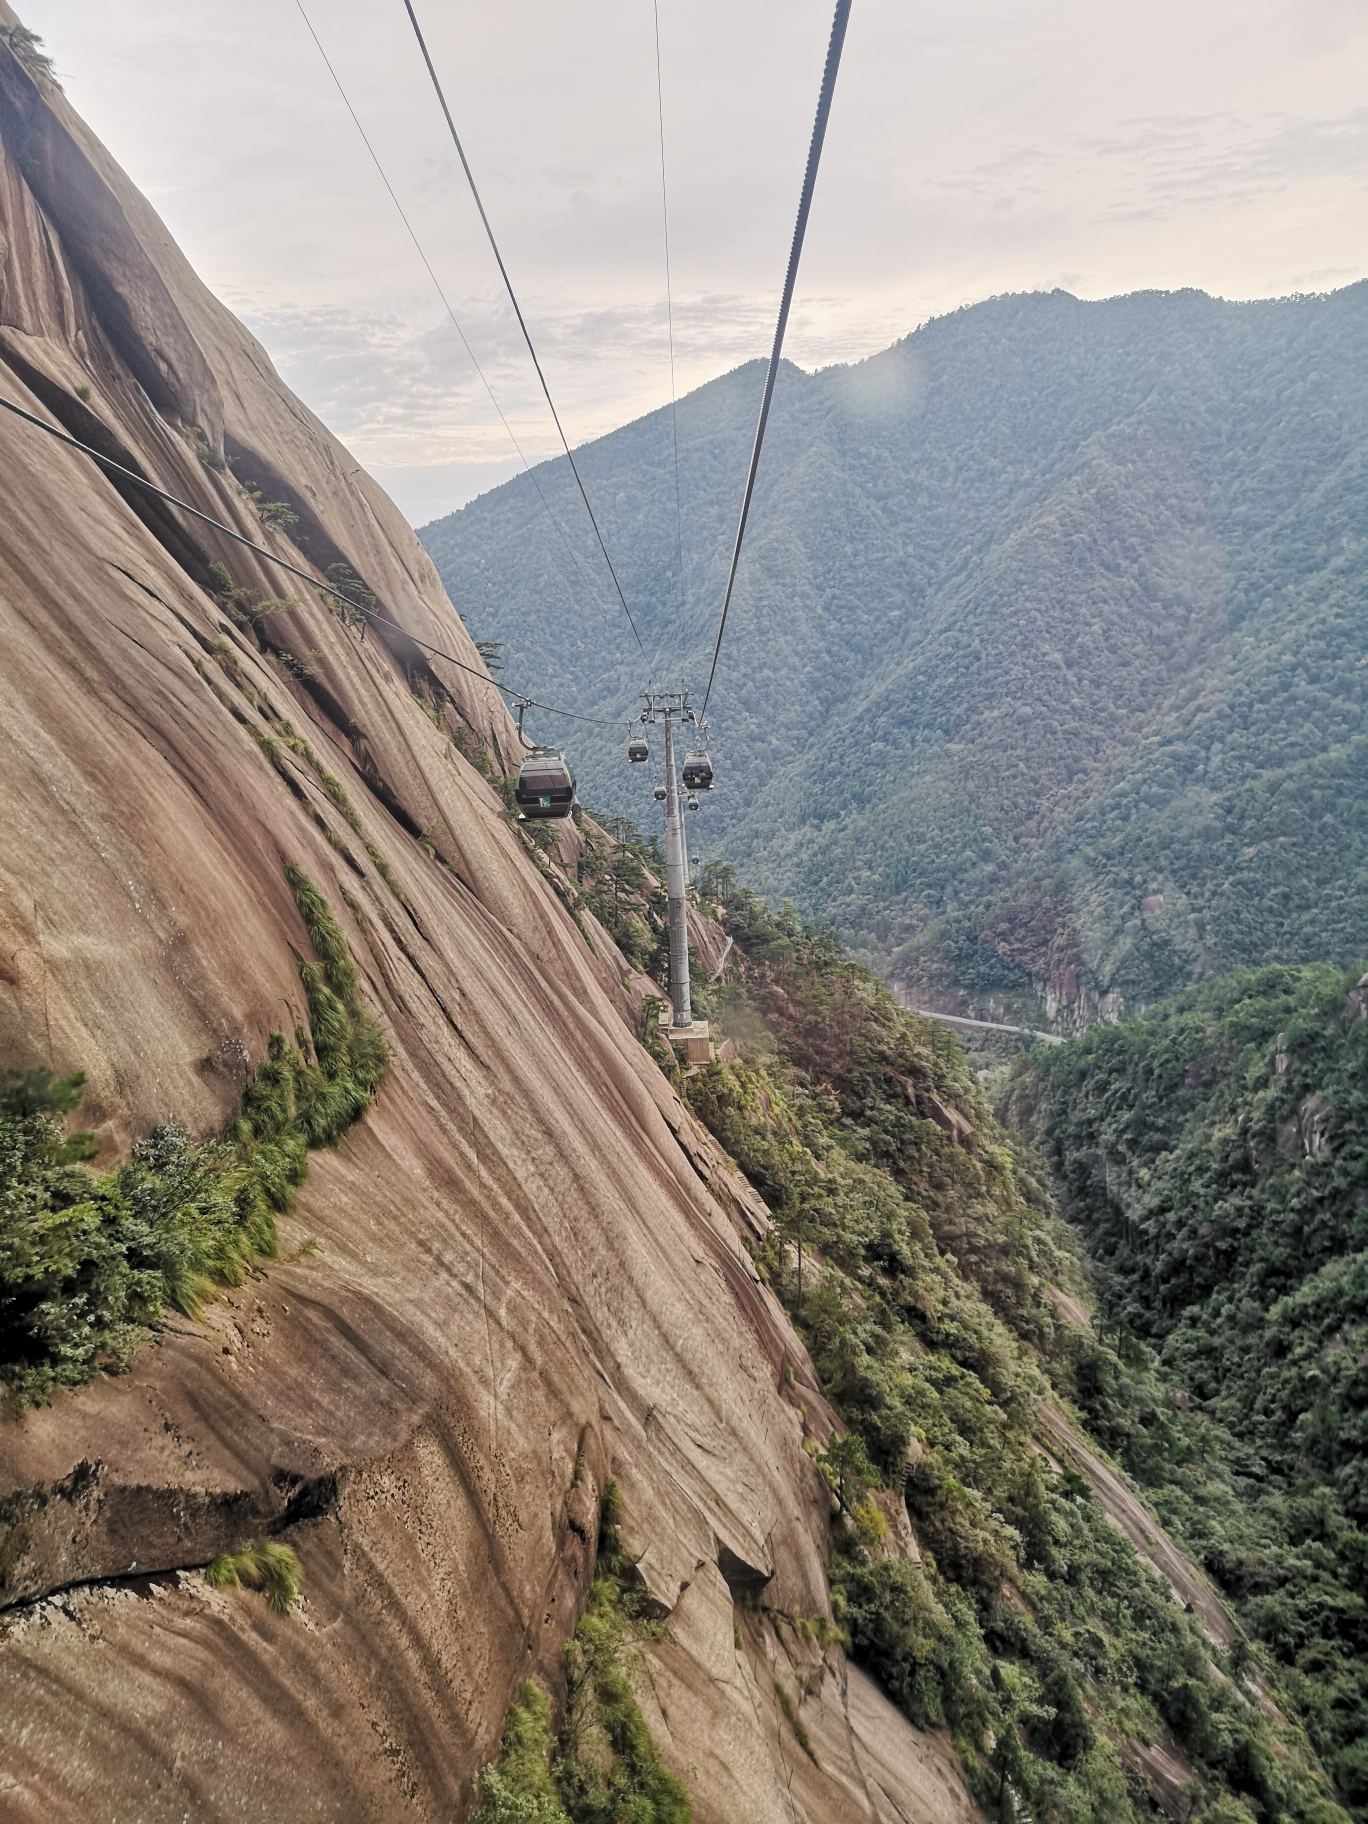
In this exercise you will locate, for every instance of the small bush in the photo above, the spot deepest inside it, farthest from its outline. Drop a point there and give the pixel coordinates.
(896, 1623)
(519, 1789)
(358, 596)
(273, 1569)
(37, 1092)
(603, 1765)
(606, 1765)
(648, 1031)
(88, 1260)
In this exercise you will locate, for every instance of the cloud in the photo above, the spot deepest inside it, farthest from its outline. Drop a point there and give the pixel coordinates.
(399, 388)
(976, 147)
(1174, 165)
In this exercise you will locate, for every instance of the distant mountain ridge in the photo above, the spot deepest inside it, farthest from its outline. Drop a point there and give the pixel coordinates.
(1046, 671)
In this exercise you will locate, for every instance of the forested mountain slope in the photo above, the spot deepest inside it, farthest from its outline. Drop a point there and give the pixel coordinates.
(1088, 1671)
(1046, 671)
(1213, 1156)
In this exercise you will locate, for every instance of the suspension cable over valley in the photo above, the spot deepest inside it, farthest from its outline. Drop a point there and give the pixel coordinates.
(314, 582)
(833, 63)
(446, 304)
(517, 311)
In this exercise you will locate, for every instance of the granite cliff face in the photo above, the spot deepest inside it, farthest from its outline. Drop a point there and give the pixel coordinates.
(527, 1269)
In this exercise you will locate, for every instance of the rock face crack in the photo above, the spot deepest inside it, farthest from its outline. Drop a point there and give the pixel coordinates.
(87, 1529)
(745, 1581)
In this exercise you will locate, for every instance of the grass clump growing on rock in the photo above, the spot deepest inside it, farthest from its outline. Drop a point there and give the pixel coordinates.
(519, 1789)
(271, 1568)
(607, 1766)
(89, 1260)
(602, 1766)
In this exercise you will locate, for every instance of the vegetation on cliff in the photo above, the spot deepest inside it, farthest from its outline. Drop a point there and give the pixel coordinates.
(89, 1259)
(601, 1766)
(620, 872)
(1214, 1158)
(917, 1249)
(269, 1567)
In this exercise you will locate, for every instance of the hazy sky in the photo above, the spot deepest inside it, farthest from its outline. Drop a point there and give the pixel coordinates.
(976, 147)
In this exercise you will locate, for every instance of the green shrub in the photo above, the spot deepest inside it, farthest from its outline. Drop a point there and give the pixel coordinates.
(37, 1092)
(358, 595)
(88, 1260)
(615, 868)
(896, 1623)
(606, 1765)
(499, 1802)
(602, 1766)
(648, 1031)
(271, 1568)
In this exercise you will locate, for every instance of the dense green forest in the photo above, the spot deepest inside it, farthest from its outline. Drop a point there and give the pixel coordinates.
(918, 1249)
(1046, 670)
(1214, 1158)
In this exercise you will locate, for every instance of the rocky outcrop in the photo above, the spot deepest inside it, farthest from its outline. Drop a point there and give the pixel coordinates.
(522, 1272)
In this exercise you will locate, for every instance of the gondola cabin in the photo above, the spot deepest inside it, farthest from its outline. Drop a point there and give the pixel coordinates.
(546, 786)
(637, 750)
(698, 773)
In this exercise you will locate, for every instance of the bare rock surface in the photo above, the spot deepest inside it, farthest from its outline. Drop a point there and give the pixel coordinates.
(528, 1267)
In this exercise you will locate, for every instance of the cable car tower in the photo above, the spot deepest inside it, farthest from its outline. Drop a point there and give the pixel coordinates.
(674, 709)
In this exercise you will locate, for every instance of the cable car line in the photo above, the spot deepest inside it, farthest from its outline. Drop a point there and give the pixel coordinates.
(517, 311)
(669, 308)
(833, 63)
(372, 614)
(446, 305)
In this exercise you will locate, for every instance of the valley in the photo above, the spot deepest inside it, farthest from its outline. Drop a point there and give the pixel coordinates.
(435, 1387)
(1047, 665)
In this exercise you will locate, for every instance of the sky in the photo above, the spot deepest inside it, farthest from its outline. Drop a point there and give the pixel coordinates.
(975, 147)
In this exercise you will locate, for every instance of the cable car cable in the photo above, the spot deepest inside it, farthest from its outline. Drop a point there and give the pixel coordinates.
(669, 309)
(372, 614)
(833, 63)
(517, 311)
(455, 321)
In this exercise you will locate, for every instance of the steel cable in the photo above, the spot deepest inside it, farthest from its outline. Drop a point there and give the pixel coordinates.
(669, 311)
(240, 538)
(833, 63)
(517, 311)
(437, 286)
